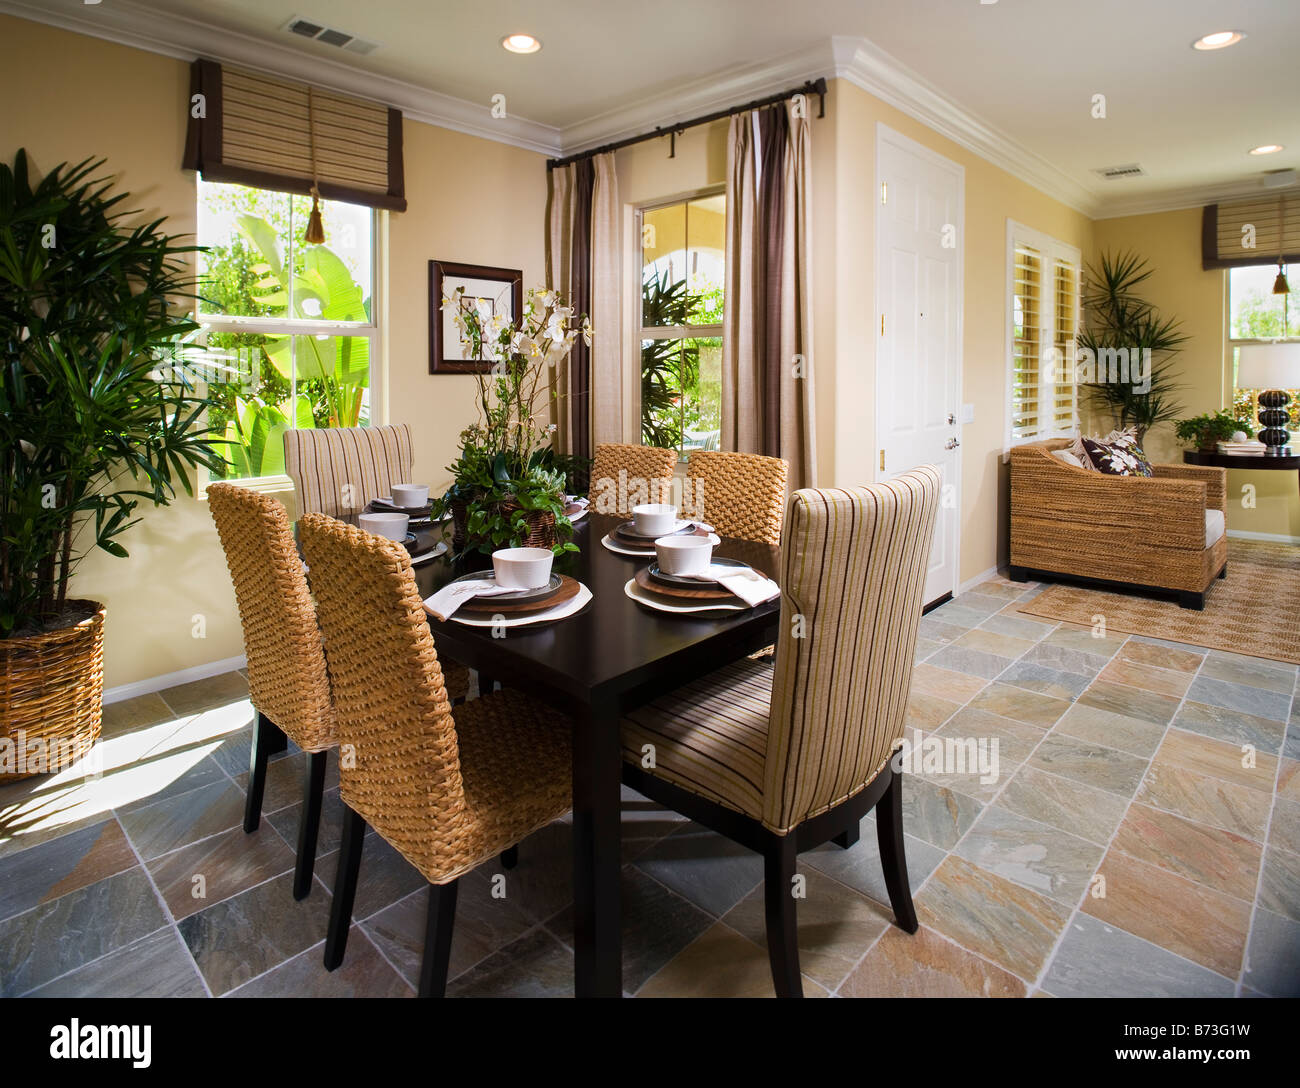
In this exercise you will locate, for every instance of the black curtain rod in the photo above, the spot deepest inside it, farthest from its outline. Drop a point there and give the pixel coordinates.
(813, 86)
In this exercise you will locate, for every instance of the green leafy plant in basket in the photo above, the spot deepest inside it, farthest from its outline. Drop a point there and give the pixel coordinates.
(1206, 431)
(508, 485)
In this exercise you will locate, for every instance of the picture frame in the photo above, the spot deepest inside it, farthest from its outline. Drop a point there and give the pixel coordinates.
(495, 290)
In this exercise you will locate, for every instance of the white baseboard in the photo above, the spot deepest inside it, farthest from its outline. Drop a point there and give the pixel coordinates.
(970, 583)
(1273, 538)
(171, 679)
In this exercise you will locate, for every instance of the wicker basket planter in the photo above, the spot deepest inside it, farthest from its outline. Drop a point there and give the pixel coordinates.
(51, 687)
(541, 526)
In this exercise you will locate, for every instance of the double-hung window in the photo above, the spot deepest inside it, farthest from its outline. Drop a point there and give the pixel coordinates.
(290, 327)
(1256, 314)
(1043, 311)
(683, 252)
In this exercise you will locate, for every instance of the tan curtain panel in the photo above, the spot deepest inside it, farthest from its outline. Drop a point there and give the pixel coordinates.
(559, 275)
(1270, 222)
(272, 133)
(767, 352)
(607, 369)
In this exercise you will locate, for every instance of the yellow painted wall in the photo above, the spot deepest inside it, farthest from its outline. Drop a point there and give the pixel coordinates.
(1171, 242)
(67, 97)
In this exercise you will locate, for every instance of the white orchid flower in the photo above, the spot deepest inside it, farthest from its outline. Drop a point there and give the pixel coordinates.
(587, 331)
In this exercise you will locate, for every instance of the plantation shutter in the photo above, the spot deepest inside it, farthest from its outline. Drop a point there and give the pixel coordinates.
(272, 133)
(1045, 310)
(1272, 223)
(1026, 322)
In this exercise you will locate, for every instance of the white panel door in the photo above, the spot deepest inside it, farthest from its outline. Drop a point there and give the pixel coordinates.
(919, 247)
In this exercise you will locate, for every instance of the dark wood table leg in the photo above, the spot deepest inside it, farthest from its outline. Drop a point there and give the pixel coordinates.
(597, 774)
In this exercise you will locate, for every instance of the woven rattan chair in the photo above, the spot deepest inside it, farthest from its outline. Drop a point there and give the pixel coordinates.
(741, 495)
(624, 476)
(287, 682)
(1166, 531)
(782, 759)
(448, 793)
(338, 470)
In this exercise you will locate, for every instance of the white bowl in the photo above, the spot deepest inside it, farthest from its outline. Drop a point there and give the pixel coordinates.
(410, 496)
(654, 519)
(684, 554)
(389, 526)
(522, 568)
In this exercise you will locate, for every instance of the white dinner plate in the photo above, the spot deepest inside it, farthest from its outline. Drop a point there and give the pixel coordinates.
(570, 607)
(703, 611)
(644, 553)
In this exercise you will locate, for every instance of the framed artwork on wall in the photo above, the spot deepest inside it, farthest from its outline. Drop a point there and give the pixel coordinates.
(491, 291)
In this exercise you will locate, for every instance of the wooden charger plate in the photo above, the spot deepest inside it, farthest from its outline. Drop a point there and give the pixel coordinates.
(491, 605)
(704, 593)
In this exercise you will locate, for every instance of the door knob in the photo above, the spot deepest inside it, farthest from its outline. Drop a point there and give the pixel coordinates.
(951, 419)
(951, 444)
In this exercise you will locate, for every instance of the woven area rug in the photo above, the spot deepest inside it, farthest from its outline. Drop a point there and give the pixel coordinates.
(1255, 610)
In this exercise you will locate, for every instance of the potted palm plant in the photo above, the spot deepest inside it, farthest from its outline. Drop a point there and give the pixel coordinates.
(507, 484)
(97, 415)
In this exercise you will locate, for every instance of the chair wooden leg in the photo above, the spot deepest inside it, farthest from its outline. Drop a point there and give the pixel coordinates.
(889, 834)
(345, 888)
(1224, 572)
(439, 923)
(265, 735)
(848, 839)
(1195, 601)
(782, 925)
(510, 858)
(309, 823)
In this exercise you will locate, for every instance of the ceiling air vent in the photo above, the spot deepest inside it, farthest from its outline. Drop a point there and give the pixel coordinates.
(305, 28)
(1128, 170)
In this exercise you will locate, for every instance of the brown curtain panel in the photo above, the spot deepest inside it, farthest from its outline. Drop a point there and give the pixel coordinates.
(259, 130)
(767, 378)
(1271, 222)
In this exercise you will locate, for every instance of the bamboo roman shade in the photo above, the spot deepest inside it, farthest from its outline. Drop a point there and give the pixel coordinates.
(1270, 221)
(274, 133)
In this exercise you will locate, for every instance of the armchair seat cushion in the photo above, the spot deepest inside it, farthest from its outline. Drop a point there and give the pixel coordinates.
(709, 737)
(1215, 526)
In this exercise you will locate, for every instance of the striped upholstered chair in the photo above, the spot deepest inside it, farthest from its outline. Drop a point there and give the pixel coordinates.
(447, 793)
(287, 684)
(336, 471)
(741, 495)
(647, 474)
(782, 759)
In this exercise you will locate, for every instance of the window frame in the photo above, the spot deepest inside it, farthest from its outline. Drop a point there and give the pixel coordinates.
(1051, 250)
(664, 332)
(293, 327)
(1231, 343)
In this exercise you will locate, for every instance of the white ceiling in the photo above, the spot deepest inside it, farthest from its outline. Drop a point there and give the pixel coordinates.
(1024, 69)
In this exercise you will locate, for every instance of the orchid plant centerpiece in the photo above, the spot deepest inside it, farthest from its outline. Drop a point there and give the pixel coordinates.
(507, 489)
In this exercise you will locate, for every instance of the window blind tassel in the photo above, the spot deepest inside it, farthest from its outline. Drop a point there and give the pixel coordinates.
(315, 234)
(1280, 286)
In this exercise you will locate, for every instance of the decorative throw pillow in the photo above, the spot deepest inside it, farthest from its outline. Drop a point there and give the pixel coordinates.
(1069, 457)
(1118, 454)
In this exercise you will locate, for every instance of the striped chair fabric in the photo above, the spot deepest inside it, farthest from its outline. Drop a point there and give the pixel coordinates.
(336, 471)
(647, 476)
(741, 495)
(783, 743)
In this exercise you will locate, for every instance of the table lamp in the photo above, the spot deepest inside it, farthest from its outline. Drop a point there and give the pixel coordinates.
(1272, 368)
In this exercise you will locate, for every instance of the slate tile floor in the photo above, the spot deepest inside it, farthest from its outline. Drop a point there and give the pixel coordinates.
(1129, 846)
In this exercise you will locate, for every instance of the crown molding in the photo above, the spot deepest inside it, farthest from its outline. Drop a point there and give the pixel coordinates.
(873, 70)
(185, 39)
(1193, 197)
(716, 91)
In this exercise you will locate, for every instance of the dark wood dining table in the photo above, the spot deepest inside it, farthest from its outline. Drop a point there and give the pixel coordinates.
(595, 666)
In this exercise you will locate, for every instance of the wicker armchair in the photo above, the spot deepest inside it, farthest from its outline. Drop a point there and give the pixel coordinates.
(782, 759)
(645, 472)
(1165, 532)
(448, 793)
(287, 683)
(741, 494)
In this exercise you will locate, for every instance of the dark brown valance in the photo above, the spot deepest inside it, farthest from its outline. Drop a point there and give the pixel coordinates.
(263, 131)
(1276, 230)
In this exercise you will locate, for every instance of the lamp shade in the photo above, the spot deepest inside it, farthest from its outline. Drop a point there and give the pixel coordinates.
(1268, 366)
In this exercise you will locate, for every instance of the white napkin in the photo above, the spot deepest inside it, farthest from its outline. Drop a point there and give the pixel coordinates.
(450, 597)
(744, 582)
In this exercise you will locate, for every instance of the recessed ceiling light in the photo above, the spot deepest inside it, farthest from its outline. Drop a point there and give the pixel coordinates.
(521, 43)
(1220, 39)
(1266, 149)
